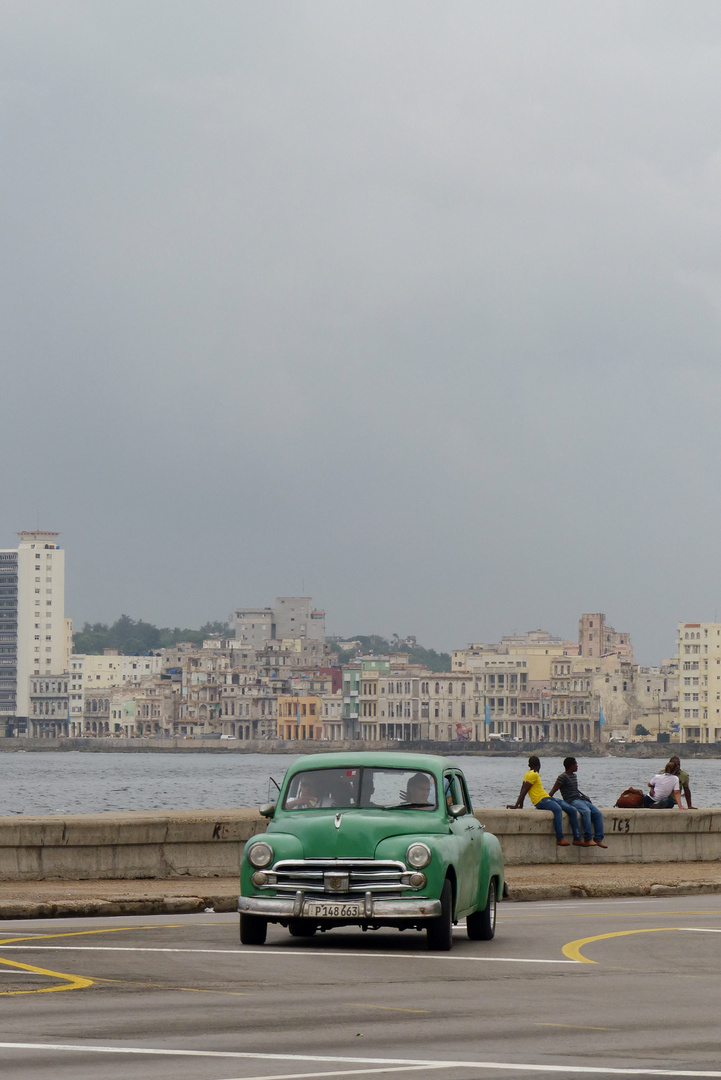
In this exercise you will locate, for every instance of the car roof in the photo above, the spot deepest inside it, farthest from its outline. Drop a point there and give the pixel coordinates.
(391, 759)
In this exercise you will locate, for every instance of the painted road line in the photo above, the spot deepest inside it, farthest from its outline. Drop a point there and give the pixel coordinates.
(83, 933)
(396, 1064)
(387, 1008)
(286, 954)
(609, 914)
(338, 1072)
(573, 948)
(72, 982)
(573, 1027)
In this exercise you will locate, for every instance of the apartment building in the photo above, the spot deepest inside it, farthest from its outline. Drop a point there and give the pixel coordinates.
(49, 701)
(699, 681)
(292, 617)
(597, 638)
(33, 629)
(409, 703)
(300, 717)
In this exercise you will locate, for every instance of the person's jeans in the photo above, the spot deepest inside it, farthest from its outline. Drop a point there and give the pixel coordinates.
(558, 807)
(662, 804)
(591, 819)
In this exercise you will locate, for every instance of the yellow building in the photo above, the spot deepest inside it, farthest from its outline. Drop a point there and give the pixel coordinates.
(299, 717)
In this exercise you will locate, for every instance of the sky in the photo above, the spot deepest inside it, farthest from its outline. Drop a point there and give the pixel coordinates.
(413, 308)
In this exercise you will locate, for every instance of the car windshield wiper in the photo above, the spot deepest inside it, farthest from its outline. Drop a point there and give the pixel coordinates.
(409, 806)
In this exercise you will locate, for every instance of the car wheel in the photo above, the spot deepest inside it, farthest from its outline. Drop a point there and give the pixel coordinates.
(301, 928)
(481, 925)
(439, 932)
(253, 930)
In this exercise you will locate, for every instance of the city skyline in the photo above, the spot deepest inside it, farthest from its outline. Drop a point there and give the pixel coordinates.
(411, 308)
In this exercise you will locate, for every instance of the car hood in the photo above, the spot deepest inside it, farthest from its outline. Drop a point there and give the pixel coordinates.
(357, 832)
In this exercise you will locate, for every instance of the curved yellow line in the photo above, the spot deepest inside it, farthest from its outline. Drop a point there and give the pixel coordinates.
(573, 949)
(74, 982)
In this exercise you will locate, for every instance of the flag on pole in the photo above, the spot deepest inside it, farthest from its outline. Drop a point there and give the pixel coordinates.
(601, 717)
(488, 714)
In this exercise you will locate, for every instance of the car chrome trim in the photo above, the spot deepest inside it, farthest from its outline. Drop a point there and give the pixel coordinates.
(418, 908)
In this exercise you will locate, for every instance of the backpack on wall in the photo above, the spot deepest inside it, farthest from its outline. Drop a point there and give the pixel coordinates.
(630, 799)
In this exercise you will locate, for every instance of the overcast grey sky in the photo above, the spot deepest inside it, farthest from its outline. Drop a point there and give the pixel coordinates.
(411, 307)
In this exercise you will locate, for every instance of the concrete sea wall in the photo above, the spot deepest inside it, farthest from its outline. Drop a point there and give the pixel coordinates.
(209, 843)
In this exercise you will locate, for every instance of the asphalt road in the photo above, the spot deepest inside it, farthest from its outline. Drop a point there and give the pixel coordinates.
(625, 987)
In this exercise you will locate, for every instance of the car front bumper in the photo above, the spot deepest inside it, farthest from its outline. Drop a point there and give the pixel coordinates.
(273, 907)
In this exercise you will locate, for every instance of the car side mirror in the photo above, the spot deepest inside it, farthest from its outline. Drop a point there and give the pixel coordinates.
(457, 810)
(268, 810)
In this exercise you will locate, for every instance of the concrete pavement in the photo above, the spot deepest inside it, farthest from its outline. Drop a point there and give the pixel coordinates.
(57, 899)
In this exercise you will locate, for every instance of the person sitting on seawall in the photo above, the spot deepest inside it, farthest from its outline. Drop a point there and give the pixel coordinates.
(540, 798)
(591, 817)
(664, 789)
(682, 780)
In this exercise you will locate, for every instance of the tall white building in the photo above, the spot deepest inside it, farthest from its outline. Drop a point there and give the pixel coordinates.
(33, 630)
(699, 681)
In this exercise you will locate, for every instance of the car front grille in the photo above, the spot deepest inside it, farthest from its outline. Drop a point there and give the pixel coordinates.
(326, 878)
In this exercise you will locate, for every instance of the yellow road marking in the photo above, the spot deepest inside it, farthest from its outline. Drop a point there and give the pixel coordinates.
(163, 986)
(573, 949)
(73, 982)
(83, 933)
(387, 1008)
(574, 1027)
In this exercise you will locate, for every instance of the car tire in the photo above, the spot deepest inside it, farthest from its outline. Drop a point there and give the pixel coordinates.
(253, 930)
(481, 925)
(301, 928)
(439, 932)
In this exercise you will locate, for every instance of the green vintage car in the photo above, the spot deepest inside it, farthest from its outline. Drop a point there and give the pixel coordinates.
(372, 840)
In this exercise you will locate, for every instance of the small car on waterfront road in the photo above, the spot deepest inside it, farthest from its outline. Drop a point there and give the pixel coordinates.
(372, 840)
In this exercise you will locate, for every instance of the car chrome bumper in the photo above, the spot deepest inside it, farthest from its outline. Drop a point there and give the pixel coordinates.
(279, 907)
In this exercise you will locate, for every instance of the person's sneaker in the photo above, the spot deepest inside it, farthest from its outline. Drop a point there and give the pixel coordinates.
(599, 843)
(563, 843)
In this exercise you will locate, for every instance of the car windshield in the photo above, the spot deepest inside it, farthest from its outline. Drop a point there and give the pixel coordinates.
(367, 786)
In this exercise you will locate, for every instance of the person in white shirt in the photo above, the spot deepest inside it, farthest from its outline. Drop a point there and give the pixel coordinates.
(665, 789)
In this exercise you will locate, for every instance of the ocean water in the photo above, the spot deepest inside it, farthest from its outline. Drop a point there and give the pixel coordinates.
(87, 783)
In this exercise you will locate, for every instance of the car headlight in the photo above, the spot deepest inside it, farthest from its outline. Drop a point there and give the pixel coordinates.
(418, 856)
(261, 854)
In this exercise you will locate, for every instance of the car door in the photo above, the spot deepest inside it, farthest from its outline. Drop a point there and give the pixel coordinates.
(469, 838)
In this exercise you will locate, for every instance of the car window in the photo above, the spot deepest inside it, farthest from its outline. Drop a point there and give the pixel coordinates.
(463, 797)
(318, 788)
(382, 788)
(455, 791)
(414, 788)
(450, 789)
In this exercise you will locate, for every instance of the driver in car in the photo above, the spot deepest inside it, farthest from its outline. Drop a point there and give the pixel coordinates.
(419, 791)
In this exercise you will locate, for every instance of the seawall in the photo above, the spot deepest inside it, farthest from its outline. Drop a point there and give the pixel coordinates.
(189, 745)
(165, 845)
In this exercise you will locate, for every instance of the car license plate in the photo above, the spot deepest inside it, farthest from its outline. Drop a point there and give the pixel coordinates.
(332, 911)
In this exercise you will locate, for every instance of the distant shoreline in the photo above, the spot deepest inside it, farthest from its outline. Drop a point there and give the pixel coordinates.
(282, 748)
